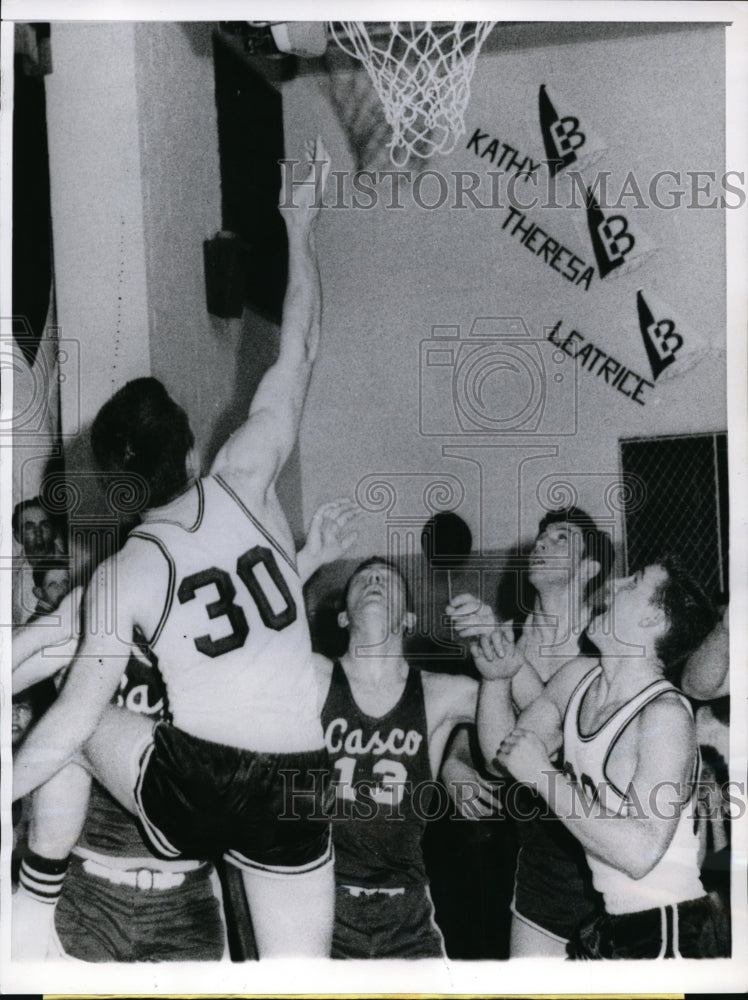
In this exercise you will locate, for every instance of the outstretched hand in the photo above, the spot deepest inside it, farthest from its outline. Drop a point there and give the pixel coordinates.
(470, 617)
(524, 755)
(331, 534)
(301, 196)
(474, 796)
(491, 644)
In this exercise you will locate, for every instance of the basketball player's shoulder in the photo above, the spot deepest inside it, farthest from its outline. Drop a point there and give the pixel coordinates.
(667, 716)
(243, 485)
(141, 554)
(144, 568)
(259, 502)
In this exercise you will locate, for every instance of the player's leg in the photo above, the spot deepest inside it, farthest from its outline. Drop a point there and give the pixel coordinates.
(59, 812)
(292, 914)
(114, 752)
(527, 940)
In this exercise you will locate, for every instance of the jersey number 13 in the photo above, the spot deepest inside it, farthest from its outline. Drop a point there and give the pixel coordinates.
(224, 607)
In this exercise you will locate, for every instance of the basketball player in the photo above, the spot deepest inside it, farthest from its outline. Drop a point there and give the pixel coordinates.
(630, 762)
(386, 726)
(570, 559)
(208, 584)
(120, 902)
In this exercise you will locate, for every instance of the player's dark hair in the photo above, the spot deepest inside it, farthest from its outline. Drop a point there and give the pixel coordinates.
(691, 615)
(597, 543)
(43, 566)
(141, 431)
(379, 561)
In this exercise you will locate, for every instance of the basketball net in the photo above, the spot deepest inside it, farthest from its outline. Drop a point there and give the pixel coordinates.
(421, 72)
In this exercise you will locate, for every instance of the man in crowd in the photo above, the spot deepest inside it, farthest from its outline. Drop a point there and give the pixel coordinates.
(386, 726)
(630, 761)
(51, 578)
(570, 560)
(208, 583)
(35, 539)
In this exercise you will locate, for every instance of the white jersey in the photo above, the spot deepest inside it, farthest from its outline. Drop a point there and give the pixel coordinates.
(675, 878)
(232, 643)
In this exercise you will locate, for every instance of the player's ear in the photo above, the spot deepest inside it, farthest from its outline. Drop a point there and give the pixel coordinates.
(655, 618)
(409, 620)
(343, 620)
(38, 593)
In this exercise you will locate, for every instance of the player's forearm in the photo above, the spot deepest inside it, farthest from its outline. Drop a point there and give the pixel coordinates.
(457, 764)
(308, 562)
(302, 306)
(48, 630)
(706, 675)
(526, 686)
(49, 746)
(305, 564)
(628, 843)
(282, 392)
(495, 717)
(35, 668)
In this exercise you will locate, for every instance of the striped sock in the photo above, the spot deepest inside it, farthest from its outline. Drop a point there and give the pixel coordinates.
(42, 878)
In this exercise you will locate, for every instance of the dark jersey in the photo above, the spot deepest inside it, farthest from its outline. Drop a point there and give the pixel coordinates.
(383, 785)
(110, 829)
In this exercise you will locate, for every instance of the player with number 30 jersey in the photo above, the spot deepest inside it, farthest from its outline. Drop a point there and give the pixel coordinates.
(233, 629)
(207, 583)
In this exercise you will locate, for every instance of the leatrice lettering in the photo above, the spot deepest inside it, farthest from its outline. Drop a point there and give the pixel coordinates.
(396, 743)
(598, 362)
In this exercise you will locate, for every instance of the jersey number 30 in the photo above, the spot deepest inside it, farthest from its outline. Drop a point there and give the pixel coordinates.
(225, 607)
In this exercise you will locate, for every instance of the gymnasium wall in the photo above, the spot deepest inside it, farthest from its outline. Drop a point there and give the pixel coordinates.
(136, 190)
(380, 425)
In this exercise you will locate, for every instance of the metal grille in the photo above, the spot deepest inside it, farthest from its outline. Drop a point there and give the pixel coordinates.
(684, 509)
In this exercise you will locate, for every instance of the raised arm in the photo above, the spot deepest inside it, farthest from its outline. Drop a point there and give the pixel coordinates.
(331, 534)
(474, 797)
(261, 446)
(47, 644)
(543, 717)
(706, 674)
(91, 682)
(658, 788)
(499, 661)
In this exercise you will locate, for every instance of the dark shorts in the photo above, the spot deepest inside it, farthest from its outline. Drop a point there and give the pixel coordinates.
(260, 811)
(385, 923)
(553, 884)
(98, 921)
(698, 928)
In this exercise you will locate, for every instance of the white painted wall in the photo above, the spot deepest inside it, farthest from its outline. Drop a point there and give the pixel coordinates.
(655, 102)
(135, 192)
(97, 210)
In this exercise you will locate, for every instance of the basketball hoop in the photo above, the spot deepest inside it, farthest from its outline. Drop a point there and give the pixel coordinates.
(421, 72)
